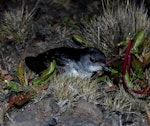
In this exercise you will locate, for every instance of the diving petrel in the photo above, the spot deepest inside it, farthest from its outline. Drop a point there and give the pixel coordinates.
(73, 61)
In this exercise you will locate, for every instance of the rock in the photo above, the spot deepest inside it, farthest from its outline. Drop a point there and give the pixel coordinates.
(84, 113)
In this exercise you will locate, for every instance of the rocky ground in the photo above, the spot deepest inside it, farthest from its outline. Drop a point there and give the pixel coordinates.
(52, 25)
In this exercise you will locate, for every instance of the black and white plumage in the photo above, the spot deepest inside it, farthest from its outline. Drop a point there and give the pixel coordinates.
(75, 62)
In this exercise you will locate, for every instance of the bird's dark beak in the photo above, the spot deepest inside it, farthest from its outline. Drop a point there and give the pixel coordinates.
(106, 70)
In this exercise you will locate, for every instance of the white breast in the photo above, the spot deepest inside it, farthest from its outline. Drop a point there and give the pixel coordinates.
(75, 70)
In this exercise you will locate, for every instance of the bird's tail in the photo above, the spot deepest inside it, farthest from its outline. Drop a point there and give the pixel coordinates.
(34, 64)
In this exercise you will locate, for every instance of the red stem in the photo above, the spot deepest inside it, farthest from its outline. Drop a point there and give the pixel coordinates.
(127, 67)
(129, 63)
(126, 60)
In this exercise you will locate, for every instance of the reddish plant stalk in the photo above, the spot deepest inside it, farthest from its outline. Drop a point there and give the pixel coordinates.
(126, 68)
(127, 59)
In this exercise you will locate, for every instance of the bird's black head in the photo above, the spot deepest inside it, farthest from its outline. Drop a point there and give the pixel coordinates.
(93, 60)
(95, 55)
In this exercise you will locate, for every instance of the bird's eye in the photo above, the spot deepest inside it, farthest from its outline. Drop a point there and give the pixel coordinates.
(92, 60)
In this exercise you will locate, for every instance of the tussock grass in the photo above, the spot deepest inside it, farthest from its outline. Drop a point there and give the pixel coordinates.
(67, 90)
(118, 21)
(17, 24)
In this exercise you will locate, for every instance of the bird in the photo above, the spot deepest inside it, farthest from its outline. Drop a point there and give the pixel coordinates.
(77, 62)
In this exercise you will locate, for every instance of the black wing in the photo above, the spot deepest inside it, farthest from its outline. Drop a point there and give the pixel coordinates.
(62, 56)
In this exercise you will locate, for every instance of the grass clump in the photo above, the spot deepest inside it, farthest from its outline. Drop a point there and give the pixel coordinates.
(16, 25)
(68, 90)
(118, 21)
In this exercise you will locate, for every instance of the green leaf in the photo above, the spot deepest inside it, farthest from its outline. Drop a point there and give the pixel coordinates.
(79, 39)
(102, 78)
(125, 42)
(13, 86)
(46, 74)
(127, 79)
(114, 71)
(137, 67)
(49, 70)
(138, 41)
(45, 79)
(20, 74)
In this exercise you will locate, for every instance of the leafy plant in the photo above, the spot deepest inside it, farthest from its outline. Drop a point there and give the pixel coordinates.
(27, 88)
(140, 63)
(25, 84)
